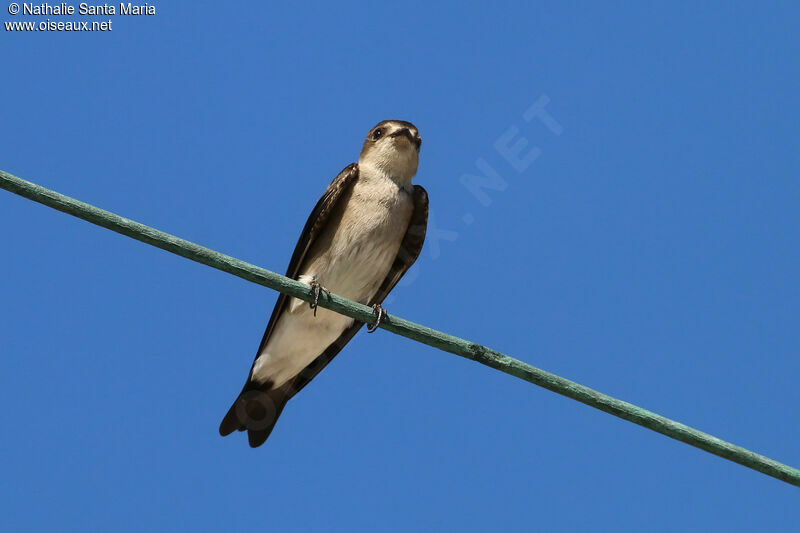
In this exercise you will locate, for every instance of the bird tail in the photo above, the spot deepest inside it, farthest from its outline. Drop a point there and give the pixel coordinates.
(256, 410)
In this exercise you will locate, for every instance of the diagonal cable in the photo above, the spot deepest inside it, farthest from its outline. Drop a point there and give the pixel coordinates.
(417, 332)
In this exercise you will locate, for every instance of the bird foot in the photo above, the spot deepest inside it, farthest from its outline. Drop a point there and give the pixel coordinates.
(316, 289)
(381, 312)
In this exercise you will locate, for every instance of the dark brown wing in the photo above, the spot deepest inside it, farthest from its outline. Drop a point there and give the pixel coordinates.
(406, 256)
(410, 247)
(316, 221)
(258, 406)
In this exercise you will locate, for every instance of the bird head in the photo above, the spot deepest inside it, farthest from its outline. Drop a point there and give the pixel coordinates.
(392, 147)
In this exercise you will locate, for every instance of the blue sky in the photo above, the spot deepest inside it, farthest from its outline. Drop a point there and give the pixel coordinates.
(649, 251)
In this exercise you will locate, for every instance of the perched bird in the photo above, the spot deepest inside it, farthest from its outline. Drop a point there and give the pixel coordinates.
(362, 236)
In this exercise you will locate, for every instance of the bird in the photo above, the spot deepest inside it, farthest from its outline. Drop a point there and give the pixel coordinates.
(363, 234)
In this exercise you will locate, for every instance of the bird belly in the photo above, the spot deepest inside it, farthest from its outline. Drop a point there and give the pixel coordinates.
(355, 272)
(298, 339)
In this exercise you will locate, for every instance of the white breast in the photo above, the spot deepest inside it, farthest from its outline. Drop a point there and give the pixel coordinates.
(362, 248)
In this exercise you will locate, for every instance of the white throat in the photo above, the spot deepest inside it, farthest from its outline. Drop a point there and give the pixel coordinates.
(370, 169)
(399, 166)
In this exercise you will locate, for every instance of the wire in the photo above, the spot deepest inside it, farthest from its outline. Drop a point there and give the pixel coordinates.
(417, 332)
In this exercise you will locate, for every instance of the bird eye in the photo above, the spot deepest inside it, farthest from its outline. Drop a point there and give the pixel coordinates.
(377, 134)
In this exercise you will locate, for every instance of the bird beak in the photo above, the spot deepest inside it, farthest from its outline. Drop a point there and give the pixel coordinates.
(408, 135)
(403, 131)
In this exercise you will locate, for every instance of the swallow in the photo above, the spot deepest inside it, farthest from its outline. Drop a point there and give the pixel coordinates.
(362, 236)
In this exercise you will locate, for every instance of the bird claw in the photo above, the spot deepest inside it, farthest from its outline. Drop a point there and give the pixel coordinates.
(381, 312)
(316, 289)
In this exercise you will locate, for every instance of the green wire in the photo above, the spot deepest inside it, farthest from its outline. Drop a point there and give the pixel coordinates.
(417, 332)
